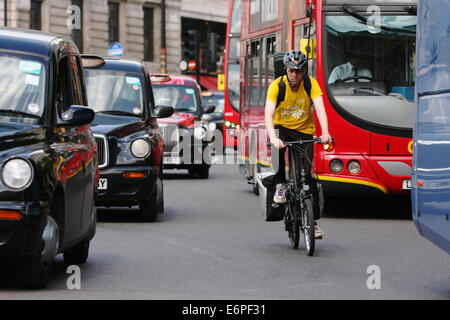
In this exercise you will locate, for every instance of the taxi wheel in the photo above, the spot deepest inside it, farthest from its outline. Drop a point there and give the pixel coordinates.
(203, 172)
(200, 172)
(148, 209)
(77, 254)
(31, 272)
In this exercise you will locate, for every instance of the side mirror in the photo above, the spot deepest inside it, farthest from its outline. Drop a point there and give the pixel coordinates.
(207, 117)
(163, 111)
(209, 109)
(78, 116)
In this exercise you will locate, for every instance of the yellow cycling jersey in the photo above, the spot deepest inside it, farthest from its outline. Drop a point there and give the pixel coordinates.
(295, 112)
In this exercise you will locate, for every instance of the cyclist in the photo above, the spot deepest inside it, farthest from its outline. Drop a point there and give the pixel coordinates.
(293, 118)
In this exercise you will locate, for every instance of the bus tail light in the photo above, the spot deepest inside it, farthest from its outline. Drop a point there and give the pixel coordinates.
(336, 165)
(354, 167)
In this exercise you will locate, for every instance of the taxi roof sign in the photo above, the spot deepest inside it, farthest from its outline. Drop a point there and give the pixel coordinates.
(159, 78)
(92, 61)
(207, 94)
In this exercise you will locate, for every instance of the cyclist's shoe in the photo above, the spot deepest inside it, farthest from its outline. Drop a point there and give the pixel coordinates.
(318, 232)
(280, 194)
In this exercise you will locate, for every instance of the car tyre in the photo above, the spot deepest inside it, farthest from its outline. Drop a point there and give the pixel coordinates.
(77, 254)
(200, 172)
(31, 272)
(203, 172)
(148, 211)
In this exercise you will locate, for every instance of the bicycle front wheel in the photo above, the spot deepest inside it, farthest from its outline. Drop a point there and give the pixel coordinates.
(308, 227)
(294, 234)
(292, 226)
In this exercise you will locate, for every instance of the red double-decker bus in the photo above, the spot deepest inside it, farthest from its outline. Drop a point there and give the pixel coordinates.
(232, 69)
(363, 57)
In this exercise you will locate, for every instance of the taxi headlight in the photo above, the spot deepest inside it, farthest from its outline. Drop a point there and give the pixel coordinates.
(140, 148)
(17, 174)
(199, 133)
(212, 126)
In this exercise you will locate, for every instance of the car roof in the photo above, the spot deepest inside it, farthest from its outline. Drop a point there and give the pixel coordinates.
(29, 41)
(175, 79)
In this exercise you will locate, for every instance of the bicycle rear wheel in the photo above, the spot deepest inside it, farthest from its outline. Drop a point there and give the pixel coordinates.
(308, 227)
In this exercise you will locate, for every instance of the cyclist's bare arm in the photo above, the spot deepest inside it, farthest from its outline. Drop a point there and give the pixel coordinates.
(323, 120)
(269, 114)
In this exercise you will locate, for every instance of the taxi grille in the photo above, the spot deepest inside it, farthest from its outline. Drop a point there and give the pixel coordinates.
(102, 150)
(171, 136)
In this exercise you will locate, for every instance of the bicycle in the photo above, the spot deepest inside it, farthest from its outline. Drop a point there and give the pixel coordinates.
(299, 212)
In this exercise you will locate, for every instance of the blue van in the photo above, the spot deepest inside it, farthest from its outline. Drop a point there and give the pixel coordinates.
(431, 157)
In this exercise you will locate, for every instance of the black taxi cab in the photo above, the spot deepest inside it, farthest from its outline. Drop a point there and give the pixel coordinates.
(128, 137)
(48, 157)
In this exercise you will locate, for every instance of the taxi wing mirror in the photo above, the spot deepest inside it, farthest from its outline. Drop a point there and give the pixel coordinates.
(209, 109)
(77, 116)
(163, 111)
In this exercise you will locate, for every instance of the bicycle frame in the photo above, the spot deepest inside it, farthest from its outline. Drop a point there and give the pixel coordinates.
(298, 189)
(299, 210)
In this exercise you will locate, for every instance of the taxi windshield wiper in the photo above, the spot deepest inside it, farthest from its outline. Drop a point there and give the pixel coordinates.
(119, 113)
(19, 114)
(352, 12)
(366, 92)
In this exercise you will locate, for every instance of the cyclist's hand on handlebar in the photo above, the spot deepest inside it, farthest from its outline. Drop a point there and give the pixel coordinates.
(277, 143)
(326, 138)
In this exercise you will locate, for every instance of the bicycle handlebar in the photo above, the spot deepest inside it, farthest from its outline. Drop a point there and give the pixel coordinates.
(301, 142)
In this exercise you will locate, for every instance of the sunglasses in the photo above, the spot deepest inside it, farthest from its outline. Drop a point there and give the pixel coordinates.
(296, 71)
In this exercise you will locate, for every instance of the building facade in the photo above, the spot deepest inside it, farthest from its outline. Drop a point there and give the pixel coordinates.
(136, 24)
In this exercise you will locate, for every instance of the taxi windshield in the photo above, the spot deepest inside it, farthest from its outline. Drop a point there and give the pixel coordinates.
(22, 86)
(181, 98)
(216, 100)
(114, 92)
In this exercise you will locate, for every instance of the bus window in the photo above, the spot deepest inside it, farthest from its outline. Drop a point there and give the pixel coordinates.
(271, 49)
(302, 31)
(371, 74)
(233, 85)
(255, 73)
(236, 17)
(263, 73)
(268, 71)
(298, 31)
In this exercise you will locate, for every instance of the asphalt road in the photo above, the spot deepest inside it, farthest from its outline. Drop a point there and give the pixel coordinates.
(212, 243)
